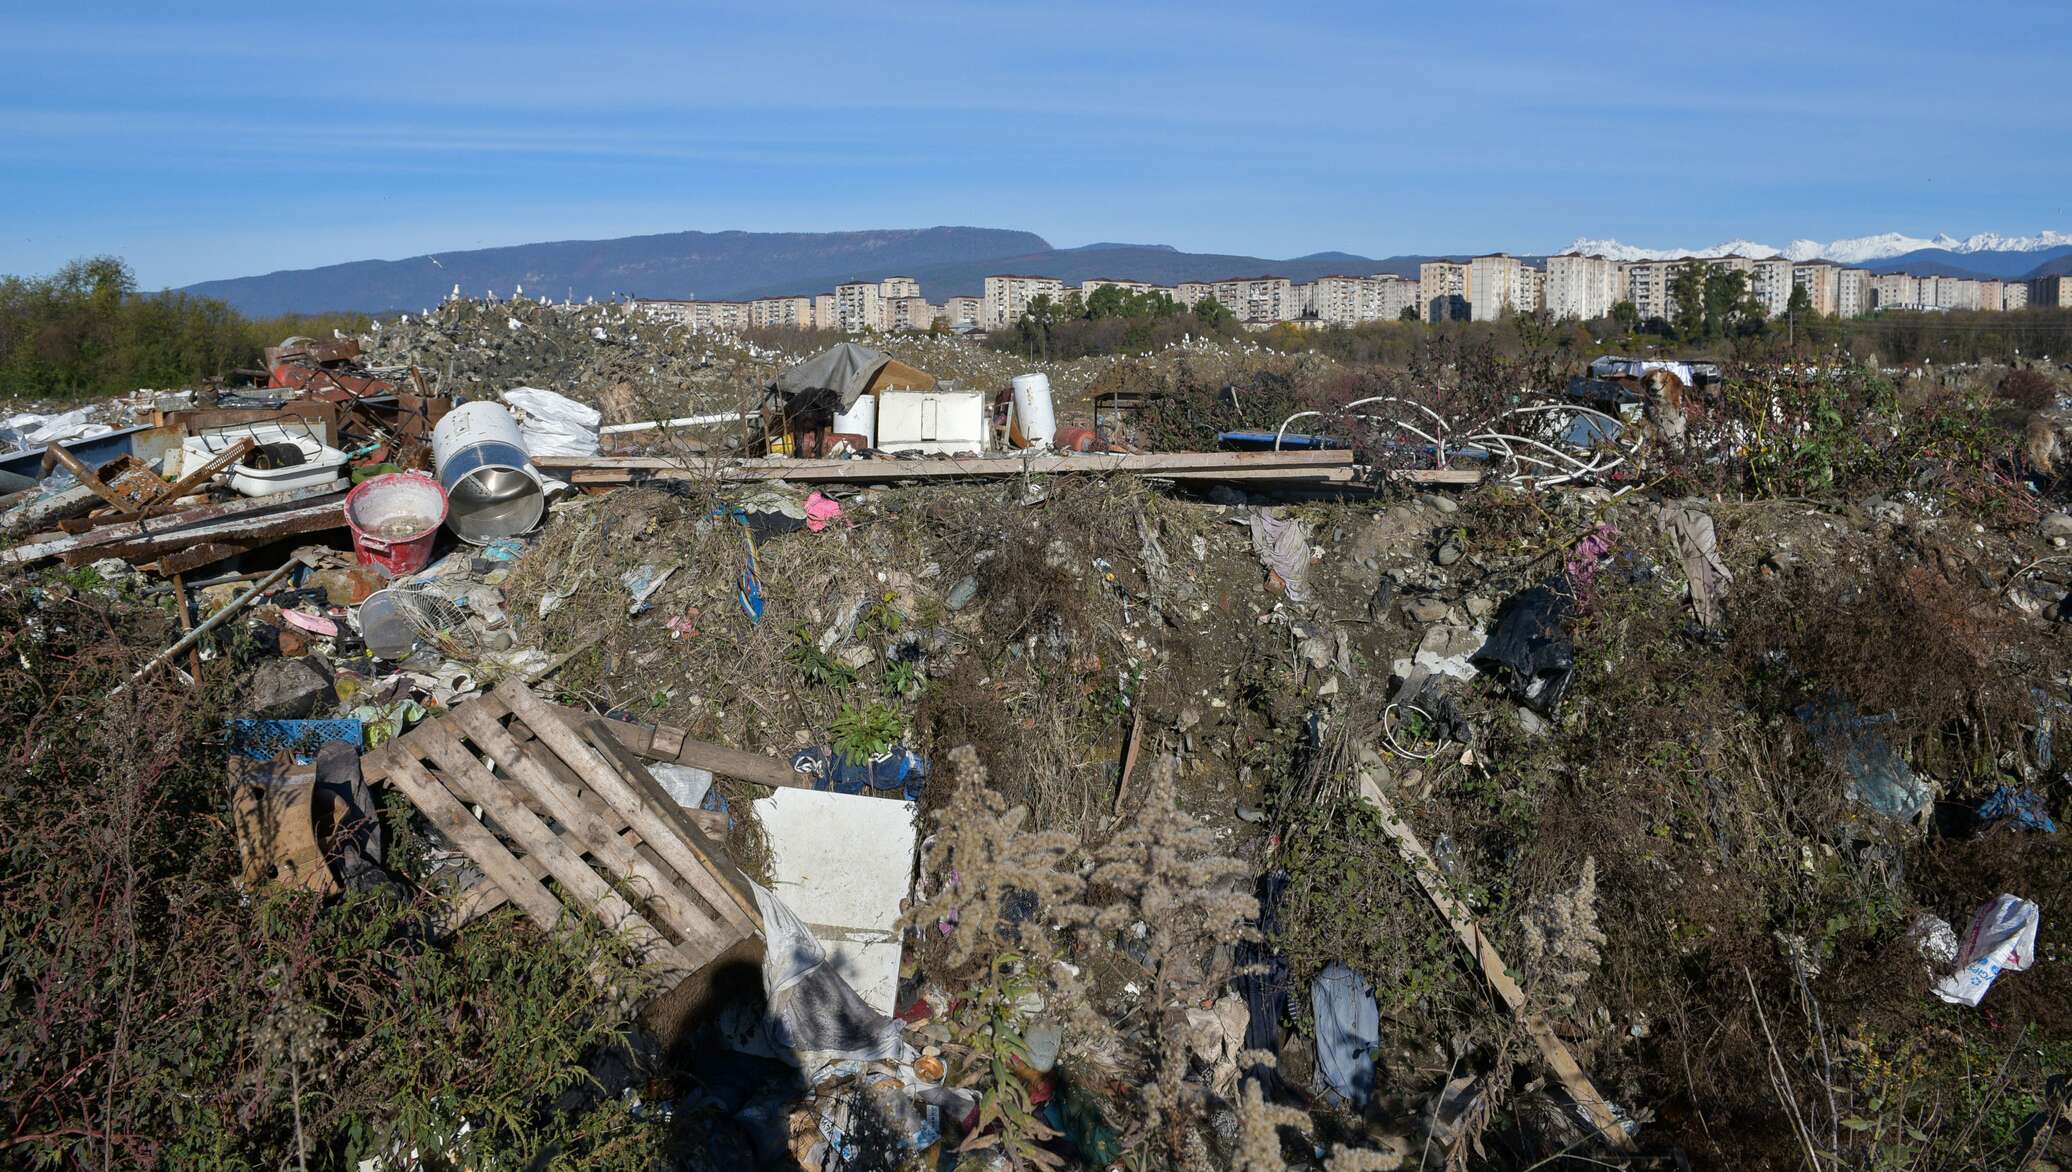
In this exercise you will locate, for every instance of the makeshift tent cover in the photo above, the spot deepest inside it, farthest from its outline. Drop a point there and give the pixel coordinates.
(834, 379)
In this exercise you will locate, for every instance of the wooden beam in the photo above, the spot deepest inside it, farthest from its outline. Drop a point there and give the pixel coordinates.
(1552, 1049)
(619, 469)
(188, 521)
(327, 513)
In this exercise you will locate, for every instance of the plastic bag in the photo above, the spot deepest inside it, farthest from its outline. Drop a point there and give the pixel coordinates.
(554, 425)
(2002, 938)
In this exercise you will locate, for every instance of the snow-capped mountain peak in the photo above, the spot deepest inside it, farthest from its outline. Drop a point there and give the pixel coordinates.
(1851, 250)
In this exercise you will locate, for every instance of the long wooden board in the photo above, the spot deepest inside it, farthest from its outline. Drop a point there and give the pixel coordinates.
(1552, 1049)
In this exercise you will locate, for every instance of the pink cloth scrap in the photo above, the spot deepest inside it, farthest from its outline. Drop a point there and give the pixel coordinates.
(820, 510)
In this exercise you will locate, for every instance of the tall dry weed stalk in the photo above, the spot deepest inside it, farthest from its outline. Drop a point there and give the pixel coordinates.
(1164, 871)
(1562, 940)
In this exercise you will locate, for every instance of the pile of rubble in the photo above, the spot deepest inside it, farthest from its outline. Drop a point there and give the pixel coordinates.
(630, 362)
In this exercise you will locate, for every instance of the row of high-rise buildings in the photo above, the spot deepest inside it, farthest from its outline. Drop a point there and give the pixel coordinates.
(894, 303)
(1482, 288)
(1588, 286)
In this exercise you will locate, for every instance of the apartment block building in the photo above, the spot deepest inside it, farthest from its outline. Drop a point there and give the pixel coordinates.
(1086, 288)
(1258, 299)
(1581, 287)
(699, 315)
(1337, 300)
(1769, 282)
(1493, 280)
(893, 288)
(1190, 293)
(858, 307)
(1852, 292)
(1818, 278)
(1895, 291)
(824, 312)
(781, 313)
(963, 311)
(1387, 296)
(1532, 289)
(2014, 295)
(1647, 287)
(2050, 293)
(1992, 295)
(1008, 295)
(909, 313)
(1444, 288)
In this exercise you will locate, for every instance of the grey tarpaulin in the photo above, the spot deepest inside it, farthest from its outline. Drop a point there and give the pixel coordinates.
(1283, 544)
(831, 380)
(1348, 1030)
(815, 1018)
(1697, 545)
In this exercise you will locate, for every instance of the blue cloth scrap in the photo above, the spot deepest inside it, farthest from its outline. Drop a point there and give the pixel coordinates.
(263, 740)
(2023, 806)
(1348, 1031)
(898, 768)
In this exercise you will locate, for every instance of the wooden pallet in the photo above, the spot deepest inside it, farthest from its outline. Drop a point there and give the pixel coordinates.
(567, 802)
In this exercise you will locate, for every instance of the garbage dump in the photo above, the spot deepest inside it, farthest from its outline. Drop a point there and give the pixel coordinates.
(875, 757)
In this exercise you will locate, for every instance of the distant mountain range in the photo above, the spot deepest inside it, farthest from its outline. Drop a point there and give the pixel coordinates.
(735, 265)
(1987, 254)
(954, 261)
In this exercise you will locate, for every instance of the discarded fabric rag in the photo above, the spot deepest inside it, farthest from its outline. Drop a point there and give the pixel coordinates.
(820, 509)
(1348, 1030)
(815, 1019)
(1697, 546)
(1282, 543)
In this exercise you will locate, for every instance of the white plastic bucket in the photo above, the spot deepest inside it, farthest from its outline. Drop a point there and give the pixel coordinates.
(860, 419)
(1034, 410)
(491, 487)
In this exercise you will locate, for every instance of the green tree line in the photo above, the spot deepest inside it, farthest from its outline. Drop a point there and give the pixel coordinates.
(86, 331)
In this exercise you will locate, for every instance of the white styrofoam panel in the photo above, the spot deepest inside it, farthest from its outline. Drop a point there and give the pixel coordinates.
(843, 863)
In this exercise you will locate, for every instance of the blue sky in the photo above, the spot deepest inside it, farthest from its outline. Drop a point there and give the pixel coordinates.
(218, 140)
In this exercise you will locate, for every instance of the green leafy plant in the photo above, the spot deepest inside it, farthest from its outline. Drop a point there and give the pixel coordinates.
(903, 678)
(816, 665)
(864, 731)
(988, 1041)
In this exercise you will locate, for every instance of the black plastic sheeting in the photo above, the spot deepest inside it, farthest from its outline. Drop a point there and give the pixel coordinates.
(1529, 650)
(1262, 980)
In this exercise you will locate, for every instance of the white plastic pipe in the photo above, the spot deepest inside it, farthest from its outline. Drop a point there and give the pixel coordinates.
(685, 421)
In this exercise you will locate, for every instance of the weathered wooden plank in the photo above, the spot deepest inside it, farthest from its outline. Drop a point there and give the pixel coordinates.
(652, 821)
(1552, 1050)
(708, 852)
(702, 936)
(1005, 464)
(465, 832)
(568, 868)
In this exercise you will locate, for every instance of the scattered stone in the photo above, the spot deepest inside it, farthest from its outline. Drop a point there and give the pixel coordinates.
(285, 689)
(1447, 553)
(2057, 525)
(1479, 607)
(1427, 610)
(1444, 504)
(962, 594)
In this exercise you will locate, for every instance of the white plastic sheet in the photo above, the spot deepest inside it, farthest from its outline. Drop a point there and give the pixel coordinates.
(554, 425)
(815, 1019)
(34, 431)
(2002, 938)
